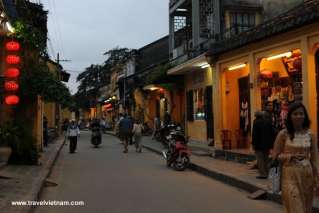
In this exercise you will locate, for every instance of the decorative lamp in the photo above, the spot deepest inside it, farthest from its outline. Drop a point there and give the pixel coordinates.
(12, 100)
(13, 46)
(11, 86)
(13, 59)
(266, 73)
(12, 72)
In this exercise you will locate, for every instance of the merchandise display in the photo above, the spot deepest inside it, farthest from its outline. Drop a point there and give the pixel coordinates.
(282, 88)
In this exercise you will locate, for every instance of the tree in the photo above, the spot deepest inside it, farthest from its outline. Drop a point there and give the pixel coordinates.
(97, 76)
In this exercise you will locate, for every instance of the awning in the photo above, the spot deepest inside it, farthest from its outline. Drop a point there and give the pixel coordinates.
(190, 65)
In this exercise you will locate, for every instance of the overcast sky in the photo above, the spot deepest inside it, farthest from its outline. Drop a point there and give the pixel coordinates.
(82, 30)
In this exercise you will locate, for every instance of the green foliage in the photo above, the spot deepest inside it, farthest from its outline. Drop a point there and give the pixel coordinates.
(40, 81)
(117, 57)
(31, 36)
(97, 76)
(8, 134)
(158, 74)
(18, 136)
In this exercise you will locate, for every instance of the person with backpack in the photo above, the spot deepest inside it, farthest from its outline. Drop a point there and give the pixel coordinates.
(73, 132)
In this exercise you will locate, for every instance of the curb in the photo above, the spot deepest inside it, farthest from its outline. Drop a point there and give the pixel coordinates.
(229, 180)
(47, 173)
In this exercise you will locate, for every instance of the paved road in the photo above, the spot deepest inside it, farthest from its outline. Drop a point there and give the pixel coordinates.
(109, 181)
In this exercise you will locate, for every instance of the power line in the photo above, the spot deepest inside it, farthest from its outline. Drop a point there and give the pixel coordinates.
(57, 24)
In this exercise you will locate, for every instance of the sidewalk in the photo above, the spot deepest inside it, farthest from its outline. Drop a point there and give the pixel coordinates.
(229, 172)
(24, 183)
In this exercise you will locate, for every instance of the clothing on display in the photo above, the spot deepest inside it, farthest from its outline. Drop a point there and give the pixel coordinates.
(244, 119)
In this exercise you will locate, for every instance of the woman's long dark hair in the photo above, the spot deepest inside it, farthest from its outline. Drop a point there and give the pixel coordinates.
(289, 124)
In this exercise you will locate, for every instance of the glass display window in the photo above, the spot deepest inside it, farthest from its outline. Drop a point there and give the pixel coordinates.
(199, 111)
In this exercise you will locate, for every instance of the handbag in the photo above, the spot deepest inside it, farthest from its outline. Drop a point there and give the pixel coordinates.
(274, 176)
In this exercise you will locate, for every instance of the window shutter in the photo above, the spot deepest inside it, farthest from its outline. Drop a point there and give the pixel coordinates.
(190, 106)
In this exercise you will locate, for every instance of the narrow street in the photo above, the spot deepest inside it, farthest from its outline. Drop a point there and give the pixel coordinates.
(109, 181)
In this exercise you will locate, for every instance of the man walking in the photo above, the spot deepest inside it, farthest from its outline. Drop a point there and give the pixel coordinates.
(125, 130)
(262, 140)
(73, 132)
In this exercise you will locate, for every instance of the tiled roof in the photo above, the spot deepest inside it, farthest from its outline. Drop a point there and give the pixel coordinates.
(304, 14)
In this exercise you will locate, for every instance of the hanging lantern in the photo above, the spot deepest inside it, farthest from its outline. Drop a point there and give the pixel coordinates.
(108, 106)
(13, 59)
(12, 46)
(11, 86)
(12, 72)
(12, 100)
(266, 73)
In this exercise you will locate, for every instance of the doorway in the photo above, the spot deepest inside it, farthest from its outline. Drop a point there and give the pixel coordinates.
(244, 108)
(209, 113)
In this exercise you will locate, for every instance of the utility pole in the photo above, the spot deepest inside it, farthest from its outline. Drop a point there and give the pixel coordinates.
(58, 60)
(58, 106)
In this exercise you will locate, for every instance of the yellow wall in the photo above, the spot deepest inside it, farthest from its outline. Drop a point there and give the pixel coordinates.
(178, 104)
(306, 39)
(197, 129)
(49, 112)
(231, 105)
(275, 65)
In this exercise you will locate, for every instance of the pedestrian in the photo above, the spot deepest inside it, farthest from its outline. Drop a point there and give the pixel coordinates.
(296, 149)
(262, 140)
(45, 131)
(125, 131)
(137, 134)
(73, 132)
(64, 129)
(103, 124)
(157, 126)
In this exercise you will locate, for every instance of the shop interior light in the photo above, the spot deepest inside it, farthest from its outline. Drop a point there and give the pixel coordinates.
(237, 66)
(154, 88)
(203, 66)
(286, 54)
(9, 26)
(181, 10)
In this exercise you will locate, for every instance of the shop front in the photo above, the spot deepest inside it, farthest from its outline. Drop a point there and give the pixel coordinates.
(160, 99)
(199, 105)
(235, 103)
(276, 71)
(198, 99)
(280, 82)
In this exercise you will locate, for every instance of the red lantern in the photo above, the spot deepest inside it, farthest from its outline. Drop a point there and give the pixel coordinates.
(13, 59)
(11, 86)
(266, 73)
(108, 106)
(13, 46)
(12, 72)
(12, 100)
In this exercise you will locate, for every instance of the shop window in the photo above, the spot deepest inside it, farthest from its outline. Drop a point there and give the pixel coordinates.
(240, 21)
(199, 111)
(280, 81)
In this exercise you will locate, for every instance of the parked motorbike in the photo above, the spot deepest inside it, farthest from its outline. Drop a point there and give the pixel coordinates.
(165, 132)
(96, 137)
(178, 154)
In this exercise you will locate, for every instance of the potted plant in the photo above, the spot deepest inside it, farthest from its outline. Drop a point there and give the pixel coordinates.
(8, 135)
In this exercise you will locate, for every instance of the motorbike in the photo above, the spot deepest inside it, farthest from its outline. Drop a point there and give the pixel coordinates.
(178, 154)
(96, 137)
(165, 132)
